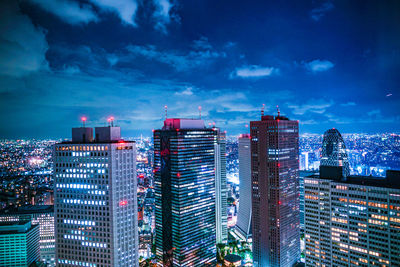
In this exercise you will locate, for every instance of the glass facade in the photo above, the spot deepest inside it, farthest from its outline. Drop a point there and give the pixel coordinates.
(334, 151)
(184, 173)
(275, 191)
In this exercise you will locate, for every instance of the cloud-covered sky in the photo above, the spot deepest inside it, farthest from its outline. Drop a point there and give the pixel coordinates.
(325, 63)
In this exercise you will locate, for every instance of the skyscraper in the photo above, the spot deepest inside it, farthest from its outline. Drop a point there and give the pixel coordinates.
(184, 173)
(42, 215)
(19, 244)
(96, 199)
(353, 221)
(243, 225)
(275, 195)
(221, 190)
(334, 151)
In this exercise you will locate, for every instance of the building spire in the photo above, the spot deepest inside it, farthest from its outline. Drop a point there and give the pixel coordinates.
(262, 109)
(166, 111)
(279, 112)
(200, 112)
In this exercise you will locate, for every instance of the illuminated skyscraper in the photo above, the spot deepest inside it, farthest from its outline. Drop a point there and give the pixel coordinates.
(243, 225)
(96, 199)
(42, 215)
(184, 173)
(221, 190)
(353, 221)
(334, 151)
(275, 199)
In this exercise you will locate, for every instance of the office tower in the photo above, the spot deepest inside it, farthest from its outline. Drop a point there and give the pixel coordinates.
(96, 199)
(42, 215)
(275, 199)
(221, 190)
(243, 225)
(184, 178)
(353, 221)
(19, 244)
(334, 151)
(304, 161)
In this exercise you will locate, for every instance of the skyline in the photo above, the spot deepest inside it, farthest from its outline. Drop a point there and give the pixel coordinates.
(325, 63)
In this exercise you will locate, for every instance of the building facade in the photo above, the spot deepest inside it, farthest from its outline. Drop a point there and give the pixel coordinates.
(19, 244)
(275, 191)
(96, 199)
(184, 178)
(353, 221)
(334, 151)
(42, 215)
(243, 225)
(221, 190)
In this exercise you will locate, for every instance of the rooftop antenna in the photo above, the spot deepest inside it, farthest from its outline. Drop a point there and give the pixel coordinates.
(166, 111)
(111, 121)
(262, 110)
(279, 112)
(200, 112)
(83, 119)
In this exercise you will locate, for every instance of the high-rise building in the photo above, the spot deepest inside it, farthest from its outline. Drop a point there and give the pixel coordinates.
(243, 225)
(184, 178)
(334, 151)
(304, 161)
(275, 191)
(19, 244)
(352, 221)
(221, 190)
(96, 199)
(42, 215)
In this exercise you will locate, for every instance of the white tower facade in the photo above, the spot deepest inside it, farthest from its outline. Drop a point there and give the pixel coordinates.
(96, 199)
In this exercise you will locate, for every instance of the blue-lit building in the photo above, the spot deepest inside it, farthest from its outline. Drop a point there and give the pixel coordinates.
(19, 244)
(184, 173)
(96, 199)
(42, 215)
(334, 151)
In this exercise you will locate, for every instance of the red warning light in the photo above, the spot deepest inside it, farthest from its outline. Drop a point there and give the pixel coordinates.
(84, 119)
(178, 174)
(123, 203)
(279, 202)
(279, 165)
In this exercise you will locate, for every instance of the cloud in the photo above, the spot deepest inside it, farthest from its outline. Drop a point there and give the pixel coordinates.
(202, 44)
(319, 65)
(317, 13)
(186, 92)
(69, 11)
(71, 70)
(254, 71)
(125, 9)
(348, 104)
(314, 105)
(22, 45)
(375, 112)
(112, 59)
(162, 14)
(181, 61)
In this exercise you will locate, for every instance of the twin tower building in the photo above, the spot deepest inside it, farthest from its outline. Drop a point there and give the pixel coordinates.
(96, 195)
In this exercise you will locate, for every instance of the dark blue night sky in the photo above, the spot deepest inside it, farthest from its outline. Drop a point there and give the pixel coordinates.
(325, 63)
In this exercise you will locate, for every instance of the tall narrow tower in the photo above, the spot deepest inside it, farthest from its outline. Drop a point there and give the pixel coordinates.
(243, 224)
(221, 190)
(275, 195)
(96, 199)
(184, 174)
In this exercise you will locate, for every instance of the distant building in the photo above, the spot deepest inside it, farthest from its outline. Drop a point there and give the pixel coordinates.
(302, 175)
(185, 198)
(243, 225)
(275, 199)
(352, 221)
(19, 244)
(334, 151)
(304, 161)
(96, 199)
(42, 215)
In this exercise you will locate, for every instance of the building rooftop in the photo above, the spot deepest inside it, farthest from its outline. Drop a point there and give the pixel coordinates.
(392, 179)
(177, 124)
(15, 227)
(29, 209)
